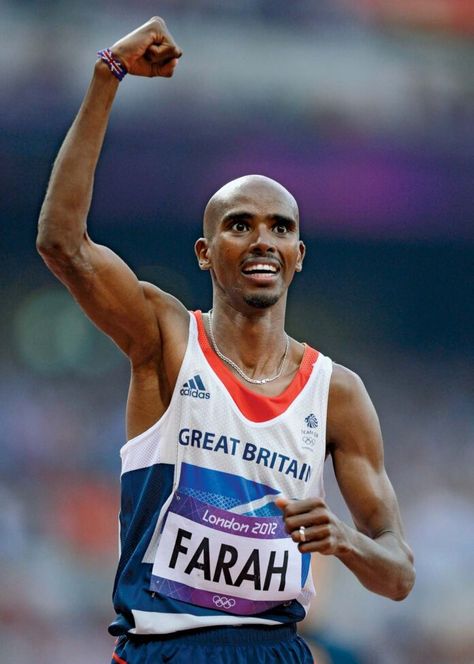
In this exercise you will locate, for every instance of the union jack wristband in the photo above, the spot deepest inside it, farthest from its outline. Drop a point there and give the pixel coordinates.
(113, 63)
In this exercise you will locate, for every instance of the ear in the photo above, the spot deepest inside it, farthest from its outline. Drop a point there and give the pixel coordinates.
(201, 249)
(301, 255)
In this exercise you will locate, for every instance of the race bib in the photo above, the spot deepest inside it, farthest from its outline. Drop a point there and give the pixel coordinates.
(220, 560)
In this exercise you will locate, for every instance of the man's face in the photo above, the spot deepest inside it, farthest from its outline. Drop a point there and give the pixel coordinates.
(252, 246)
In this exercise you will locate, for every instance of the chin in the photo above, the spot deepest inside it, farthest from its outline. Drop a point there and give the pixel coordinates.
(261, 300)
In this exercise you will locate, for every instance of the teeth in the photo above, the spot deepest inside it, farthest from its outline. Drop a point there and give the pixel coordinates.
(261, 267)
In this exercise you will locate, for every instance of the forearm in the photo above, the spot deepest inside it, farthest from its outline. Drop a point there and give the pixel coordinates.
(62, 222)
(383, 565)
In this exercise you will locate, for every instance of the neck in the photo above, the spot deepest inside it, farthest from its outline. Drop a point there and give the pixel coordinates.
(255, 340)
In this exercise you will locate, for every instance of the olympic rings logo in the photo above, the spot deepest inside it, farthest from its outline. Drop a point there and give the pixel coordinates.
(223, 602)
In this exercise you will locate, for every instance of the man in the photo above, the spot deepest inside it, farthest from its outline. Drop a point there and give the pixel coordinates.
(229, 420)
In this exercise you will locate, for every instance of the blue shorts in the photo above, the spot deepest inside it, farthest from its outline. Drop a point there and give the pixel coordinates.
(260, 644)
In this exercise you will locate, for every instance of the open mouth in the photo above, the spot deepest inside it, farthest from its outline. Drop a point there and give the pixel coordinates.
(261, 269)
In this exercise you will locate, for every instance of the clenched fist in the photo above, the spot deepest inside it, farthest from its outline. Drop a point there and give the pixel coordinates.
(149, 50)
(312, 524)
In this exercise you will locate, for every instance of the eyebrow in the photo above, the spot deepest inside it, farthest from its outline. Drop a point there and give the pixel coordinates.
(243, 216)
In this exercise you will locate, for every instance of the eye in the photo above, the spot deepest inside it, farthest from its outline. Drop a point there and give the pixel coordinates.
(239, 226)
(280, 229)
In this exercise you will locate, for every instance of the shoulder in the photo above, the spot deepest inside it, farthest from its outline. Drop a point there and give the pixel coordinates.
(351, 412)
(163, 303)
(345, 384)
(170, 313)
(171, 319)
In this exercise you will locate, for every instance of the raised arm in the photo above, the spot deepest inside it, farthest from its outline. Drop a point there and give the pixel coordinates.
(100, 281)
(375, 550)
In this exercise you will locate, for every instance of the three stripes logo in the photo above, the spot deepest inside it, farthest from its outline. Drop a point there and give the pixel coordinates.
(194, 387)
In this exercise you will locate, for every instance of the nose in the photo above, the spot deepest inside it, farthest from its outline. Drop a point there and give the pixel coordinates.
(263, 240)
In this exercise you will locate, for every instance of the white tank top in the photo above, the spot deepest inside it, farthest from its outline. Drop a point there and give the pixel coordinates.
(218, 553)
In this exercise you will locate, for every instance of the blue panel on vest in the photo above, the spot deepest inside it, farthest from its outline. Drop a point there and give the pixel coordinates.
(270, 509)
(225, 484)
(305, 566)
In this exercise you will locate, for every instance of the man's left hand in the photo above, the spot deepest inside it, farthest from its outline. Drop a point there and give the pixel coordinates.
(323, 532)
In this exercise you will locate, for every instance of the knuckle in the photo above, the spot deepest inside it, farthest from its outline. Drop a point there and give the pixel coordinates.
(322, 516)
(158, 26)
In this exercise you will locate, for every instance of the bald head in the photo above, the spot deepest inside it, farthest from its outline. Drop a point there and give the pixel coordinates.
(249, 193)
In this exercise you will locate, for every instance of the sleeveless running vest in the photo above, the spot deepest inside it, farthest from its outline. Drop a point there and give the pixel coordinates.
(202, 542)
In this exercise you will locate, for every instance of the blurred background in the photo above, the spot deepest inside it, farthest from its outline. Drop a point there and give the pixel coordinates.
(364, 110)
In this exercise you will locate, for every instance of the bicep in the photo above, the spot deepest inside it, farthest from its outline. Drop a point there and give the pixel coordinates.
(355, 443)
(111, 295)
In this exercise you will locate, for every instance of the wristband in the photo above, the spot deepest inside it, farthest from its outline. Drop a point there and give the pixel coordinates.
(117, 68)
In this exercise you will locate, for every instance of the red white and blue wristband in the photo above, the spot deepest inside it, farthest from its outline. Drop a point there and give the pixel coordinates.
(117, 68)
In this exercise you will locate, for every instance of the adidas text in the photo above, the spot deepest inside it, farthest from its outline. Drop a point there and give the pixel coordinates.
(198, 394)
(195, 387)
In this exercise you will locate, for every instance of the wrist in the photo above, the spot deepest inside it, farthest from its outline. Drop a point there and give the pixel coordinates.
(347, 544)
(102, 72)
(113, 63)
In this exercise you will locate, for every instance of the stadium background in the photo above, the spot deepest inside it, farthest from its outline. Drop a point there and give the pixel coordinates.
(364, 110)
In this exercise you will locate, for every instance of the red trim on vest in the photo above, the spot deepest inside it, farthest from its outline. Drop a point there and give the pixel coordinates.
(118, 659)
(256, 407)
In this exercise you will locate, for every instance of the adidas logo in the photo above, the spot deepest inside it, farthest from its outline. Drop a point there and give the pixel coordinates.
(194, 387)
